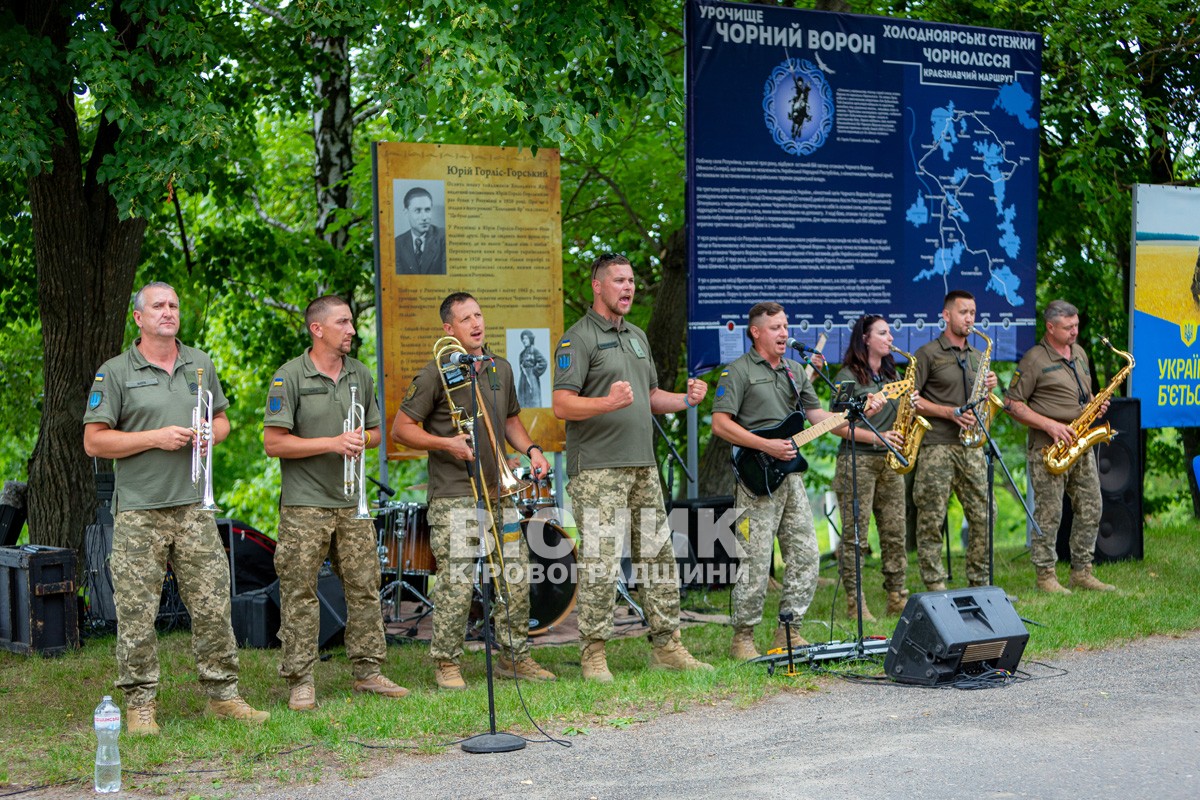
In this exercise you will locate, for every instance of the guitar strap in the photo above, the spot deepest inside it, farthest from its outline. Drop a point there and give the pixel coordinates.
(795, 389)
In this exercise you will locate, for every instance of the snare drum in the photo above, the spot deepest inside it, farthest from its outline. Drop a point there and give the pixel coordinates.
(538, 494)
(404, 540)
(552, 586)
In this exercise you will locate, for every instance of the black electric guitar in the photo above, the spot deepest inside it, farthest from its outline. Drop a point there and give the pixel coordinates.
(762, 474)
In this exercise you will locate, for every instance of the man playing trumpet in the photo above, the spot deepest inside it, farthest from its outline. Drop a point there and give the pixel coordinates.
(424, 422)
(309, 403)
(139, 413)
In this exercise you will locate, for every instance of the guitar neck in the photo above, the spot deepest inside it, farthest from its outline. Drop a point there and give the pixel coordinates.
(824, 426)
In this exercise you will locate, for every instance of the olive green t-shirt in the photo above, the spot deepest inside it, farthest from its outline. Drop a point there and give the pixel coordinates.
(758, 395)
(426, 404)
(883, 419)
(591, 356)
(131, 394)
(1051, 385)
(307, 402)
(944, 374)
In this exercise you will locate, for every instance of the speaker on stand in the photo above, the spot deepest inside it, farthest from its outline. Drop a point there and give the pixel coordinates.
(1121, 465)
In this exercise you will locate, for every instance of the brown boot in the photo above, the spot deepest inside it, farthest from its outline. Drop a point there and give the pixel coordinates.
(673, 655)
(936, 586)
(237, 708)
(1083, 578)
(852, 609)
(594, 662)
(448, 676)
(1047, 581)
(302, 697)
(742, 647)
(780, 641)
(896, 603)
(525, 669)
(140, 720)
(381, 685)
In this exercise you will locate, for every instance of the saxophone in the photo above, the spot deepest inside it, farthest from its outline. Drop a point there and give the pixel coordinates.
(908, 422)
(1059, 456)
(984, 411)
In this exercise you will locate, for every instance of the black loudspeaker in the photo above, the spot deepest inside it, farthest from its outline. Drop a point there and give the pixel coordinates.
(942, 635)
(332, 598)
(1121, 466)
(256, 613)
(708, 523)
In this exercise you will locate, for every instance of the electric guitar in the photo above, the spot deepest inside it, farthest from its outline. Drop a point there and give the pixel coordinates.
(762, 474)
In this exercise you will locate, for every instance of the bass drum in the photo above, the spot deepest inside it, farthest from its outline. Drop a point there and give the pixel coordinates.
(552, 586)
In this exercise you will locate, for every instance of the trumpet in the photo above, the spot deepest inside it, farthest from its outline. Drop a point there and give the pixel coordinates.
(454, 377)
(354, 468)
(202, 442)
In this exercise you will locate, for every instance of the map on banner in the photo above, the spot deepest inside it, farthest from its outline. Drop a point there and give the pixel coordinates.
(843, 165)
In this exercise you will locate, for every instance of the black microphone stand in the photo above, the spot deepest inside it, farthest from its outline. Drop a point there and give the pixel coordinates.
(855, 408)
(490, 742)
(993, 455)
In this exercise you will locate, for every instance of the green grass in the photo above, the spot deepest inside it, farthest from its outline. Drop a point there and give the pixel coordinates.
(46, 735)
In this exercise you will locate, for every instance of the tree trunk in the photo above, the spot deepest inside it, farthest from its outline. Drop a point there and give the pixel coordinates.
(86, 260)
(333, 133)
(667, 329)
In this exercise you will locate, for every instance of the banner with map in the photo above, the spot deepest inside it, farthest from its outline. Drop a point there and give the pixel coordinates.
(843, 164)
(1166, 305)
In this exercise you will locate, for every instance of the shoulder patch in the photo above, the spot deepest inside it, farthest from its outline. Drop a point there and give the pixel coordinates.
(724, 373)
(1016, 377)
(95, 399)
(720, 391)
(564, 361)
(565, 343)
(274, 404)
(412, 390)
(99, 377)
(277, 383)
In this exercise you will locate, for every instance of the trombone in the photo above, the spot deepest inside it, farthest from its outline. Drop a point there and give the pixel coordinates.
(455, 376)
(202, 441)
(354, 468)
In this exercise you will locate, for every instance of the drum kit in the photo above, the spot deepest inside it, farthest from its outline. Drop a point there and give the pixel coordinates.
(406, 557)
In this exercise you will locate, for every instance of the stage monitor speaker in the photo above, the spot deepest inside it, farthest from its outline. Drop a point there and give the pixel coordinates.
(710, 539)
(1120, 464)
(944, 635)
(332, 598)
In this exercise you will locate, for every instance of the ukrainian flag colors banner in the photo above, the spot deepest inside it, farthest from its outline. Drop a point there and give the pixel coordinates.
(1166, 305)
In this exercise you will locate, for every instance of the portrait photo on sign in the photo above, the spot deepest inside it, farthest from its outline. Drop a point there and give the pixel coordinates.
(527, 352)
(419, 207)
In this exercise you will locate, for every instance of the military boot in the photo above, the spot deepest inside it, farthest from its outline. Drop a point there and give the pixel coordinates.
(302, 697)
(896, 603)
(448, 676)
(524, 668)
(1084, 579)
(140, 720)
(237, 708)
(673, 655)
(594, 662)
(742, 647)
(852, 609)
(780, 642)
(1047, 581)
(381, 685)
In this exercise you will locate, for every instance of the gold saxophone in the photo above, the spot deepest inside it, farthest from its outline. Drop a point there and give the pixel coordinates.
(910, 424)
(1059, 456)
(984, 411)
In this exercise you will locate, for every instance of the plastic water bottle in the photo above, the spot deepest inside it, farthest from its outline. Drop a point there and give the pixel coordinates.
(108, 755)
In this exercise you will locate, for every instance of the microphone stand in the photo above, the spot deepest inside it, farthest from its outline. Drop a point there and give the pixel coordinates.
(490, 742)
(856, 413)
(993, 455)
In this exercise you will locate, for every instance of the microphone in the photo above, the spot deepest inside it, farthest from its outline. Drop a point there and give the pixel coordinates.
(969, 406)
(466, 358)
(803, 348)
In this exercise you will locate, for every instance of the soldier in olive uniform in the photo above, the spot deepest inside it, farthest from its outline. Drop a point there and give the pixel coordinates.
(760, 390)
(868, 363)
(606, 388)
(423, 422)
(308, 406)
(1051, 386)
(944, 377)
(140, 414)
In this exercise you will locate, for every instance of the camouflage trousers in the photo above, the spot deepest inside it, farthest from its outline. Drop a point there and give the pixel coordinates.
(143, 542)
(880, 491)
(454, 536)
(941, 469)
(616, 510)
(1082, 484)
(307, 536)
(785, 514)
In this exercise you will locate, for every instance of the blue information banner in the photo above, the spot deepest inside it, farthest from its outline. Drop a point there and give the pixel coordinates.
(843, 164)
(1166, 305)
